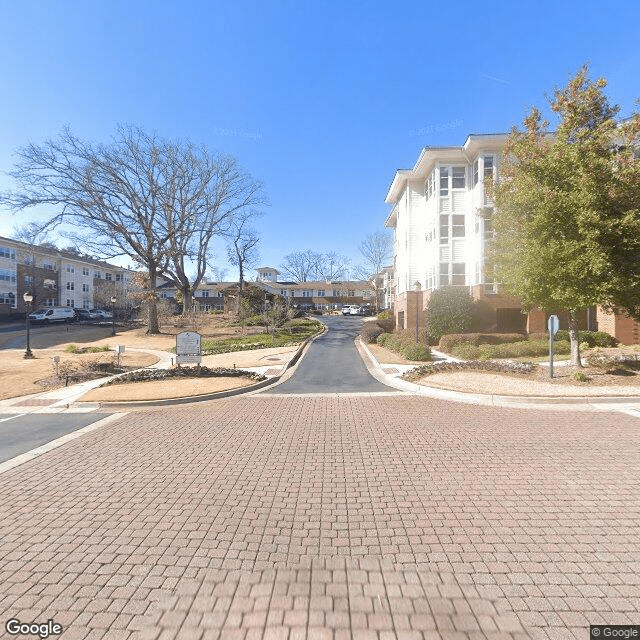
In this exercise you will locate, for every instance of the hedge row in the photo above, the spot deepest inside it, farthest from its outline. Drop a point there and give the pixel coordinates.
(522, 349)
(451, 340)
(404, 346)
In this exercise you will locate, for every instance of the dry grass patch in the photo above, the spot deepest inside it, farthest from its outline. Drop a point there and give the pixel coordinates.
(20, 377)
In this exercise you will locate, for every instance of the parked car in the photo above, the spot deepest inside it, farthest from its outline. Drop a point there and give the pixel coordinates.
(356, 310)
(52, 314)
(85, 315)
(101, 314)
(346, 310)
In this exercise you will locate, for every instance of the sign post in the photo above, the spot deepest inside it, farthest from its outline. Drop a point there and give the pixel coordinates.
(553, 325)
(119, 351)
(188, 348)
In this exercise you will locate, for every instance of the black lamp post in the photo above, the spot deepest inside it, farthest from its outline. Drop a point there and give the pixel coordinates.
(113, 315)
(28, 299)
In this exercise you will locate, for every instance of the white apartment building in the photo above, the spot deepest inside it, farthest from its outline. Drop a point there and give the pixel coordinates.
(441, 215)
(56, 278)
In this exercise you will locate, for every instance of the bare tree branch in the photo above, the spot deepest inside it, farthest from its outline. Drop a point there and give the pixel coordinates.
(158, 202)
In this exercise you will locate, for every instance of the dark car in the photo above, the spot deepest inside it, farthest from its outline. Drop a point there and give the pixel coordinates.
(84, 315)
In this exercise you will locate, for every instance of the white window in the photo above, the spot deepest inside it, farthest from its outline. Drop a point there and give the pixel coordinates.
(85, 288)
(444, 181)
(321, 293)
(70, 286)
(29, 260)
(306, 293)
(458, 177)
(107, 276)
(444, 229)
(85, 304)
(458, 273)
(70, 303)
(7, 276)
(119, 277)
(71, 269)
(457, 226)
(85, 271)
(96, 274)
(488, 167)
(444, 274)
(28, 281)
(475, 173)
(48, 265)
(7, 252)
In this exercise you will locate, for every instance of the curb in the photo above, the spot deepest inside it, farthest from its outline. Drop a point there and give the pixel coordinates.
(218, 395)
(571, 402)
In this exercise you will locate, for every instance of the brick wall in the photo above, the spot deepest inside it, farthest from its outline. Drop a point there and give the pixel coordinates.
(619, 325)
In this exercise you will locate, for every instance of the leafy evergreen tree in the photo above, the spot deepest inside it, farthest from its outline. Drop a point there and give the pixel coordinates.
(567, 217)
(450, 311)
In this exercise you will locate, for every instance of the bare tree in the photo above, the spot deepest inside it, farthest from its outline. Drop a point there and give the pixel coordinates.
(376, 250)
(207, 197)
(242, 249)
(332, 266)
(218, 274)
(156, 201)
(301, 266)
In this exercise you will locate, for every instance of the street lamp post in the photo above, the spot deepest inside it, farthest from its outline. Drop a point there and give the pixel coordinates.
(113, 315)
(28, 299)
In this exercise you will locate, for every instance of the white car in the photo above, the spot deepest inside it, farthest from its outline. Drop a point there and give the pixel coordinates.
(100, 314)
(346, 310)
(356, 310)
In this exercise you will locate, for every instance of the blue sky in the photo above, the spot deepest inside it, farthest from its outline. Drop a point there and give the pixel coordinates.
(321, 101)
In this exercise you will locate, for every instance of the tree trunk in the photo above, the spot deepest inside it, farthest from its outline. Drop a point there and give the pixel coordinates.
(187, 300)
(573, 337)
(153, 325)
(241, 283)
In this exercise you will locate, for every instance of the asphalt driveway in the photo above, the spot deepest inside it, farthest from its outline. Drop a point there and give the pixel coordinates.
(332, 363)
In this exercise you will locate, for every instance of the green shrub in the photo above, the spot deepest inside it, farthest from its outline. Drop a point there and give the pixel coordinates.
(71, 348)
(450, 310)
(521, 349)
(580, 377)
(449, 341)
(416, 352)
(370, 332)
(592, 338)
(466, 351)
(387, 321)
(405, 346)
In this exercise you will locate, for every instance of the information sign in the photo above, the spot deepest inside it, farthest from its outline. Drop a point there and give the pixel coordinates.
(188, 348)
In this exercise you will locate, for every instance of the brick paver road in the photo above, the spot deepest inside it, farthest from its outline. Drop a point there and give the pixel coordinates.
(328, 517)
